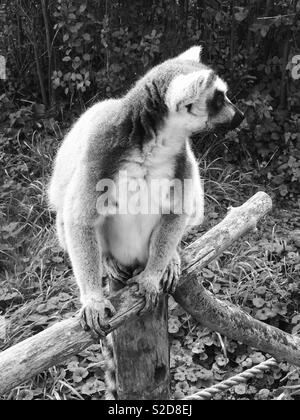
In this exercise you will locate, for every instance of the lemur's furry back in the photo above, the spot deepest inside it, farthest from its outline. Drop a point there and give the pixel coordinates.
(112, 156)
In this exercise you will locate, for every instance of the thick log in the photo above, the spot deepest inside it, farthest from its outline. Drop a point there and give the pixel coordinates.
(58, 343)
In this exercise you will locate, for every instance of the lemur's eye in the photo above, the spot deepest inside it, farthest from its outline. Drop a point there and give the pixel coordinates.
(216, 103)
(189, 108)
(220, 99)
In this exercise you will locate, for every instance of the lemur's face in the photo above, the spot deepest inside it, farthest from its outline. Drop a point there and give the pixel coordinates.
(198, 100)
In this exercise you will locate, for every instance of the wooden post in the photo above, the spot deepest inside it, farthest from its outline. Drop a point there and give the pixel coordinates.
(142, 359)
(141, 354)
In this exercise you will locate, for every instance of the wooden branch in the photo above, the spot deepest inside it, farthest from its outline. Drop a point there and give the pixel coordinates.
(39, 68)
(236, 324)
(276, 17)
(58, 343)
(238, 222)
(44, 4)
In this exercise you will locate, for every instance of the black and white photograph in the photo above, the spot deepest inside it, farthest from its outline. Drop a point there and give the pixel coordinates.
(150, 202)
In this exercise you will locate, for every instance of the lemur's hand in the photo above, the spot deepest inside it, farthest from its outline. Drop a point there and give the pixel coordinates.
(94, 315)
(148, 287)
(172, 274)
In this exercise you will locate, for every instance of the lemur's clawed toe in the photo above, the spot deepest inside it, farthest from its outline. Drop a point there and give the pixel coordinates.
(95, 314)
(172, 274)
(148, 287)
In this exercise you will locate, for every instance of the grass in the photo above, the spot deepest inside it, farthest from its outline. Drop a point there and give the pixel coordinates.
(260, 273)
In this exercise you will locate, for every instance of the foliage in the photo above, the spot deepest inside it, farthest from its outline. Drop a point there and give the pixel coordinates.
(88, 50)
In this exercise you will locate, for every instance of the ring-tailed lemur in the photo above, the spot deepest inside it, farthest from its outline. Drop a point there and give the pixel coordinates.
(140, 138)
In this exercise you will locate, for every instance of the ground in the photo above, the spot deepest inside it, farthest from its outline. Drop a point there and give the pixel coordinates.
(260, 273)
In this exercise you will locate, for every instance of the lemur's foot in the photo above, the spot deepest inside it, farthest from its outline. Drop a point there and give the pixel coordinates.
(148, 287)
(172, 274)
(116, 271)
(95, 314)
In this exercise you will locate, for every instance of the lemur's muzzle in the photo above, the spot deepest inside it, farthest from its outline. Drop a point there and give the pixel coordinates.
(237, 119)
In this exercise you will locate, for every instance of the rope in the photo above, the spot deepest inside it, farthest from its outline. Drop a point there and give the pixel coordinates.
(209, 393)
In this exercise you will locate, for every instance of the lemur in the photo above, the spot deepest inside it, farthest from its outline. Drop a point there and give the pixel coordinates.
(145, 135)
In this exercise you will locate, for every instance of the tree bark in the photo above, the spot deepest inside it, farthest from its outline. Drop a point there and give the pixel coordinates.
(58, 343)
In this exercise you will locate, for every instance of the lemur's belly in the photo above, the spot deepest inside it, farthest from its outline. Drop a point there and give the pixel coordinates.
(137, 204)
(128, 237)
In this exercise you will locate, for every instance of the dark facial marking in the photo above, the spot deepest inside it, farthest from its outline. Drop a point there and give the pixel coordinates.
(189, 108)
(216, 103)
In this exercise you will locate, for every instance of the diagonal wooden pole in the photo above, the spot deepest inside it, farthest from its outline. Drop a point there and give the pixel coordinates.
(56, 344)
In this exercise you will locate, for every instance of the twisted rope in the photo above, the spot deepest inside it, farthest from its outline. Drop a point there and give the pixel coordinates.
(209, 393)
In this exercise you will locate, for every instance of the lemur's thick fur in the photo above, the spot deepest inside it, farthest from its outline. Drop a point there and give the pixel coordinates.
(110, 371)
(145, 134)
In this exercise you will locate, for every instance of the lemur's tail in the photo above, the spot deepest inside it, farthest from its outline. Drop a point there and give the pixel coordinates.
(110, 368)
(111, 284)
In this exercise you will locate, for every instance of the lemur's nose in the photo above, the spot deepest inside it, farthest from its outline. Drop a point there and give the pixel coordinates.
(238, 118)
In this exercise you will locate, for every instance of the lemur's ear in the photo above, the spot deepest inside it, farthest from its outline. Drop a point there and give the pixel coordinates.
(193, 54)
(185, 89)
